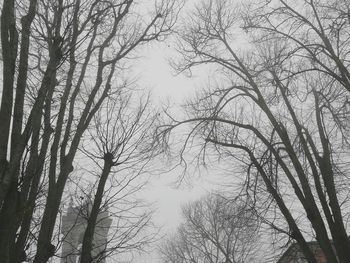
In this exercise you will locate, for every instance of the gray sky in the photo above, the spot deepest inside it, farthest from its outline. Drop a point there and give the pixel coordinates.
(155, 74)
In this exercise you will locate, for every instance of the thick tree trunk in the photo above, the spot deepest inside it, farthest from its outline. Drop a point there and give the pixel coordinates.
(8, 229)
(86, 256)
(45, 249)
(22, 73)
(9, 42)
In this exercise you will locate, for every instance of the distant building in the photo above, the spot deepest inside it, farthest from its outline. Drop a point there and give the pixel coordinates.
(74, 223)
(295, 255)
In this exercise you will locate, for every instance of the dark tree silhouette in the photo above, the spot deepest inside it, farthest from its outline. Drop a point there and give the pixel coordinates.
(280, 108)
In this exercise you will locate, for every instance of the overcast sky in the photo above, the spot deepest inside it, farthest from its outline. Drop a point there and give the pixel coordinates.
(156, 75)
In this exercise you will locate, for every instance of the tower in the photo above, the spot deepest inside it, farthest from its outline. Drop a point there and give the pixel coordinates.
(74, 223)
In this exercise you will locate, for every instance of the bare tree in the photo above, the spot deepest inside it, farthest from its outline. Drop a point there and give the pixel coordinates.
(214, 230)
(123, 226)
(122, 138)
(281, 109)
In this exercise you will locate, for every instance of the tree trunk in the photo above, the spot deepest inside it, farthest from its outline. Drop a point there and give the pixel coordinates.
(9, 41)
(7, 227)
(90, 229)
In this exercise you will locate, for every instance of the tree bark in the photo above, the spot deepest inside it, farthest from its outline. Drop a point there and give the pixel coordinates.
(9, 42)
(86, 256)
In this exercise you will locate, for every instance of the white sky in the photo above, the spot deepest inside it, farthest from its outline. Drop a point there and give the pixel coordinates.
(155, 74)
